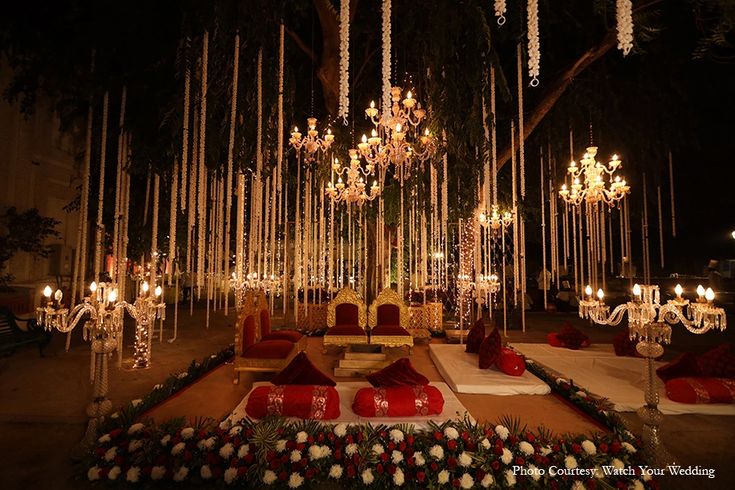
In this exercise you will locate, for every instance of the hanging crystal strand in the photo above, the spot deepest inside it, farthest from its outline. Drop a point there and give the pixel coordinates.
(671, 192)
(514, 183)
(610, 247)
(523, 273)
(228, 182)
(172, 220)
(209, 223)
(266, 227)
(543, 230)
(297, 241)
(340, 282)
(99, 254)
(534, 49)
(386, 67)
(580, 242)
(554, 210)
(628, 247)
(565, 238)
(279, 172)
(445, 213)
(624, 18)
(274, 215)
(505, 297)
(603, 246)
(660, 226)
(399, 262)
(126, 219)
(646, 255)
(118, 196)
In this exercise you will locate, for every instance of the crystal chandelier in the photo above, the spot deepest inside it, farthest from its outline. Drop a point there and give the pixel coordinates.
(312, 143)
(495, 221)
(353, 191)
(589, 181)
(396, 139)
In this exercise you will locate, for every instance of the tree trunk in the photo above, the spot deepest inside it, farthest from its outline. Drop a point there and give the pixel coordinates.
(328, 71)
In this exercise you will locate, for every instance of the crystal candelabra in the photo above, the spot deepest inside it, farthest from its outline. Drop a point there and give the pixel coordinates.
(649, 323)
(312, 143)
(269, 284)
(102, 324)
(589, 181)
(495, 221)
(396, 138)
(352, 192)
(145, 311)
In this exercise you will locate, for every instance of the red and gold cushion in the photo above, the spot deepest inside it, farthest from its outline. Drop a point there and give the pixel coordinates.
(701, 390)
(490, 349)
(345, 330)
(398, 401)
(718, 362)
(269, 349)
(390, 330)
(623, 345)
(684, 366)
(389, 315)
(265, 323)
(303, 401)
(347, 314)
(301, 371)
(290, 335)
(510, 363)
(572, 338)
(248, 332)
(475, 337)
(400, 373)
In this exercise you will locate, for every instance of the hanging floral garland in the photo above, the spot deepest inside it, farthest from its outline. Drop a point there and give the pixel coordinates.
(386, 57)
(344, 59)
(500, 9)
(624, 14)
(534, 51)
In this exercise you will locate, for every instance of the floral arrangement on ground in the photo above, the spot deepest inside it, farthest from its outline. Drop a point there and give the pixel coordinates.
(283, 454)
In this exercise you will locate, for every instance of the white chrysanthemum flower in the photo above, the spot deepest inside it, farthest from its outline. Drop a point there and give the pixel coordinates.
(466, 481)
(443, 477)
(507, 456)
(589, 447)
(526, 448)
(396, 436)
(115, 415)
(103, 439)
(302, 437)
(335, 472)
(315, 452)
(205, 472)
(135, 428)
(451, 433)
(295, 480)
(465, 459)
(136, 402)
(396, 456)
(111, 453)
(502, 432)
(351, 449)
(181, 473)
(227, 451)
(295, 456)
(340, 430)
(637, 485)
(617, 464)
(157, 472)
(93, 473)
(628, 447)
(281, 445)
(243, 451)
(510, 478)
(165, 439)
(178, 449)
(378, 449)
(269, 477)
(545, 451)
(485, 443)
(230, 475)
(367, 476)
(187, 433)
(326, 451)
(570, 462)
(418, 458)
(182, 375)
(225, 424)
(646, 477)
(599, 474)
(134, 445)
(209, 443)
(236, 430)
(436, 452)
(577, 485)
(398, 477)
(533, 470)
(487, 480)
(114, 472)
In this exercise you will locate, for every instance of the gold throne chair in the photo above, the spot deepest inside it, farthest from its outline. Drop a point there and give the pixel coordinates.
(389, 320)
(346, 320)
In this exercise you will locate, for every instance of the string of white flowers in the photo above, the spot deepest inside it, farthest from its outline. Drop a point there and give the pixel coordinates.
(100, 227)
(534, 49)
(228, 184)
(386, 58)
(185, 133)
(118, 181)
(172, 221)
(257, 190)
(193, 182)
(500, 9)
(521, 131)
(493, 142)
(154, 228)
(202, 166)
(278, 184)
(624, 15)
(344, 59)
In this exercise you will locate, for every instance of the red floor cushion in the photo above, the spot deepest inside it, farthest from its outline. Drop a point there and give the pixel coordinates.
(389, 315)
(490, 349)
(304, 401)
(510, 363)
(346, 314)
(684, 366)
(701, 390)
(623, 345)
(269, 349)
(554, 340)
(290, 335)
(398, 401)
(572, 337)
(475, 337)
(301, 371)
(345, 330)
(400, 373)
(718, 362)
(390, 330)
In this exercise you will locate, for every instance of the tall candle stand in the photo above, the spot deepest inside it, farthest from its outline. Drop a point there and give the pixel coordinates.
(145, 311)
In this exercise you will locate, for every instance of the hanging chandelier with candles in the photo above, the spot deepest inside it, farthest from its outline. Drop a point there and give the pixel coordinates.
(496, 221)
(311, 143)
(594, 181)
(354, 190)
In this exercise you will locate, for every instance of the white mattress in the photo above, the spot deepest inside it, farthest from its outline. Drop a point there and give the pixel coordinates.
(619, 379)
(453, 408)
(460, 370)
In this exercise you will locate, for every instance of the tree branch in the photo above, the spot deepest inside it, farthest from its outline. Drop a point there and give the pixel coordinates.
(301, 44)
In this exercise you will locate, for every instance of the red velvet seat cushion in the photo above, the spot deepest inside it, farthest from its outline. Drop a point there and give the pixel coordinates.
(290, 335)
(269, 349)
(490, 349)
(345, 330)
(301, 371)
(684, 366)
(389, 315)
(701, 390)
(390, 330)
(346, 314)
(475, 337)
(398, 401)
(265, 323)
(553, 339)
(718, 362)
(400, 373)
(248, 332)
(623, 345)
(510, 363)
(305, 402)
(572, 337)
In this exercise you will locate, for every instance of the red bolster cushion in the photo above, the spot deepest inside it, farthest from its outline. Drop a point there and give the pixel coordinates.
(304, 401)
(400, 373)
(684, 366)
(511, 363)
(398, 401)
(701, 390)
(475, 337)
(490, 349)
(718, 362)
(301, 371)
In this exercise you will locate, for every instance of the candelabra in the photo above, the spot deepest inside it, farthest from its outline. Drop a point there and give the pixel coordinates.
(102, 324)
(649, 323)
(495, 221)
(145, 311)
(311, 143)
(588, 181)
(354, 190)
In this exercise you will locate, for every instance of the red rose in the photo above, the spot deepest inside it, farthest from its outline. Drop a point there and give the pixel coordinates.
(360, 437)
(379, 468)
(242, 471)
(337, 454)
(615, 447)
(115, 433)
(455, 483)
(498, 451)
(495, 465)
(119, 460)
(300, 446)
(290, 445)
(282, 476)
(512, 439)
(451, 445)
(202, 434)
(531, 438)
(320, 438)
(310, 440)
(187, 456)
(303, 463)
(621, 485)
(249, 458)
(383, 434)
(391, 446)
(479, 474)
(275, 464)
(391, 469)
(576, 448)
(284, 459)
(438, 436)
(434, 467)
(402, 447)
(499, 443)
(602, 447)
(591, 484)
(356, 459)
(465, 435)
(270, 455)
(350, 471)
(310, 473)
(520, 461)
(421, 476)
(249, 433)
(556, 448)
(409, 440)
(384, 457)
(472, 445)
(349, 439)
(451, 462)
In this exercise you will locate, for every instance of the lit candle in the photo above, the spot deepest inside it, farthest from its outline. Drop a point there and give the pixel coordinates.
(58, 295)
(678, 290)
(47, 292)
(588, 291)
(144, 288)
(158, 291)
(637, 292)
(600, 295)
(112, 296)
(700, 292)
(709, 295)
